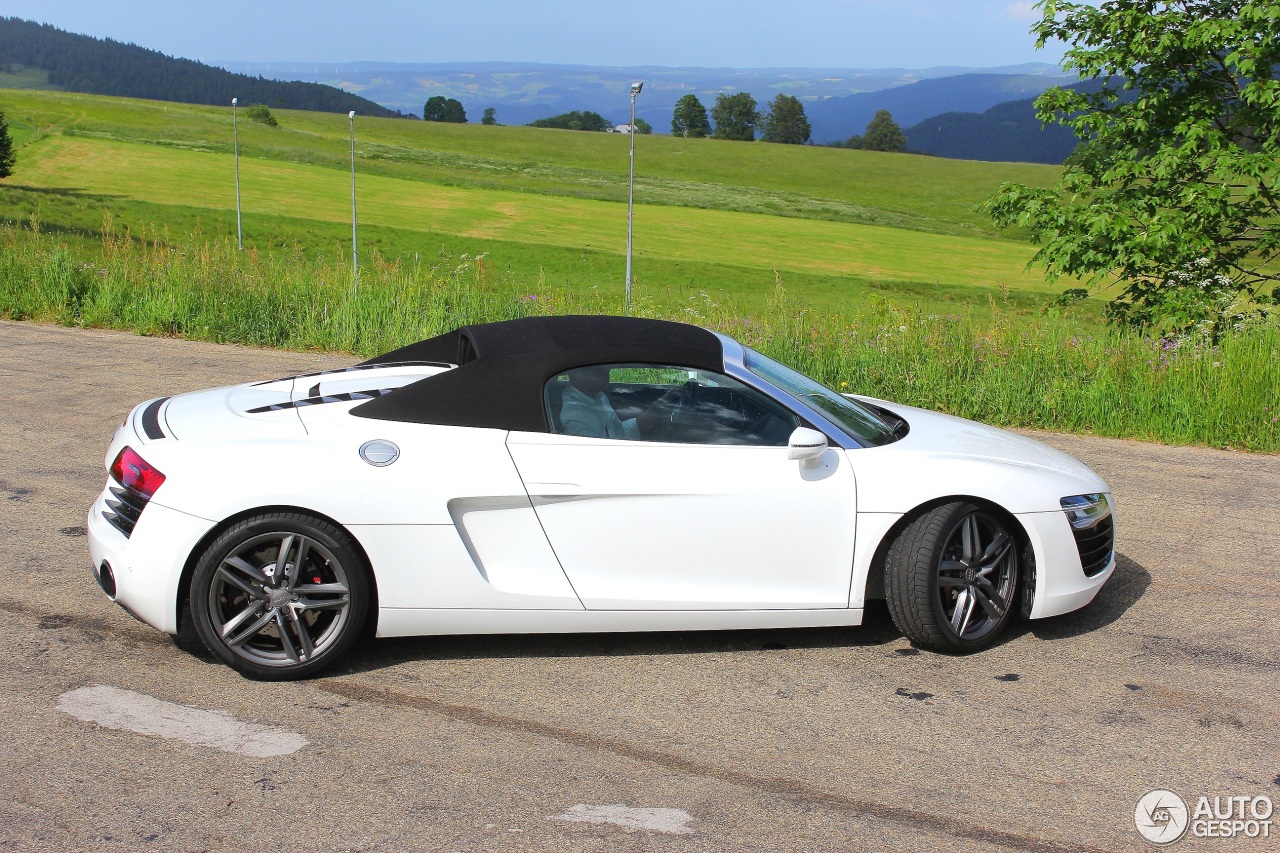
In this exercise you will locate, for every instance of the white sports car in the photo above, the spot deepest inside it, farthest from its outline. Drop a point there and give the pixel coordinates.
(566, 474)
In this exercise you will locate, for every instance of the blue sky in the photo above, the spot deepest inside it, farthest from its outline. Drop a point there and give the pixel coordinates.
(710, 33)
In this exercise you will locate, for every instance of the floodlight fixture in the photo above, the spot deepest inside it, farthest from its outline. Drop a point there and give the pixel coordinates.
(636, 87)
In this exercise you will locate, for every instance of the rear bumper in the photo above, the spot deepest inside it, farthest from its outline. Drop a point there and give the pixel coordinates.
(146, 566)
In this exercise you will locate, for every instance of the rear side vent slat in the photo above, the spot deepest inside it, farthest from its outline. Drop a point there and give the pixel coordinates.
(124, 511)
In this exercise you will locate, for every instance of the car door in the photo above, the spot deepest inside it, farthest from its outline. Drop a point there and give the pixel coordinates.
(701, 510)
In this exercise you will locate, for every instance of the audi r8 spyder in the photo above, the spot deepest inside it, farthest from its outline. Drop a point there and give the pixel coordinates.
(577, 474)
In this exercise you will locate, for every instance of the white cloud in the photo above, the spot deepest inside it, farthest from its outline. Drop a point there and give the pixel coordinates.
(1023, 10)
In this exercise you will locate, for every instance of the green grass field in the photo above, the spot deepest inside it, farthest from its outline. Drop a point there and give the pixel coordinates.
(1013, 370)
(22, 77)
(727, 218)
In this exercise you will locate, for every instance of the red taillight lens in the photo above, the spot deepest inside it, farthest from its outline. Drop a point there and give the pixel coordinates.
(133, 472)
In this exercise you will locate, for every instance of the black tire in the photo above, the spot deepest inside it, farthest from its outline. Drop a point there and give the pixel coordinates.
(275, 622)
(951, 578)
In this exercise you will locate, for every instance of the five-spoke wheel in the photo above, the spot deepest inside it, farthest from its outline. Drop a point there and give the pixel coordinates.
(280, 596)
(951, 578)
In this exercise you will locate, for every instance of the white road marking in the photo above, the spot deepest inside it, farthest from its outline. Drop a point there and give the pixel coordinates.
(669, 821)
(114, 708)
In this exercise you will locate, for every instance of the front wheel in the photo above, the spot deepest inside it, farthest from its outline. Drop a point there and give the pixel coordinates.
(280, 596)
(951, 578)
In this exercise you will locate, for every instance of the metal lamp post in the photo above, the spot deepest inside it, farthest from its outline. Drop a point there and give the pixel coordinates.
(631, 187)
(235, 135)
(355, 254)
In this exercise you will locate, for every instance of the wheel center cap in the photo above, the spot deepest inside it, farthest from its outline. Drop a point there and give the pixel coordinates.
(280, 597)
(970, 575)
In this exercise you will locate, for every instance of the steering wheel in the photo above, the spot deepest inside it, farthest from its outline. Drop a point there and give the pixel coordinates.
(677, 403)
(738, 404)
(665, 413)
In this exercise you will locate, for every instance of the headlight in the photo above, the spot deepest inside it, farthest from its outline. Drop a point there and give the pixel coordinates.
(1085, 511)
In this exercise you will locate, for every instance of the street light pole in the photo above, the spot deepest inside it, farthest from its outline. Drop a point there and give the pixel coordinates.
(631, 187)
(235, 134)
(355, 254)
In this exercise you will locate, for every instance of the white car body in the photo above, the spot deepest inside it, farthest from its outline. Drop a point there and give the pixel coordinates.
(483, 530)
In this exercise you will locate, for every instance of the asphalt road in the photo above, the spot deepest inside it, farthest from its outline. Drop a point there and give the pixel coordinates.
(808, 740)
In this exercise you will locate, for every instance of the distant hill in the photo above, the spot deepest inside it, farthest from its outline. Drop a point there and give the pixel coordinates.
(524, 91)
(1008, 132)
(836, 119)
(79, 63)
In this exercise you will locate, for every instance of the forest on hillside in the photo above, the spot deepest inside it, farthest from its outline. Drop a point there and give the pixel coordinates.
(96, 66)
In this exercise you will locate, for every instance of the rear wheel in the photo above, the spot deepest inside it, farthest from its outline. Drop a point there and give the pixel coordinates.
(951, 578)
(280, 596)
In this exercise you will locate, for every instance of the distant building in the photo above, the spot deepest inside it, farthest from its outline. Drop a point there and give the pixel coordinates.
(622, 128)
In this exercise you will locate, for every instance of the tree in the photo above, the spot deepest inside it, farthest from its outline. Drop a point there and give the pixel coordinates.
(785, 122)
(261, 114)
(440, 108)
(690, 118)
(574, 120)
(735, 117)
(6, 149)
(1174, 190)
(490, 117)
(643, 127)
(882, 134)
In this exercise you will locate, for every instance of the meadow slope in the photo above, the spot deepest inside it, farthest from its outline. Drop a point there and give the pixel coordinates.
(731, 218)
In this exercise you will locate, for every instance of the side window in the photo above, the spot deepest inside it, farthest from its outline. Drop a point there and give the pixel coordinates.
(665, 403)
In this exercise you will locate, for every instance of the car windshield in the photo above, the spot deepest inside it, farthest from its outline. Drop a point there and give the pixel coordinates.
(862, 424)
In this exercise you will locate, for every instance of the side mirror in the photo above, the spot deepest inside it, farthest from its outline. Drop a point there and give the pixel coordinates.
(807, 445)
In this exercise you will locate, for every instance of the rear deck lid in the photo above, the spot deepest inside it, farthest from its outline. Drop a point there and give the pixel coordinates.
(272, 406)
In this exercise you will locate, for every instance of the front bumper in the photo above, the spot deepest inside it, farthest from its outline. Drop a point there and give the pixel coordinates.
(1061, 584)
(146, 566)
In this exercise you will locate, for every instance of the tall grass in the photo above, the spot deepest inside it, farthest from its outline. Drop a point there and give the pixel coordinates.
(1003, 369)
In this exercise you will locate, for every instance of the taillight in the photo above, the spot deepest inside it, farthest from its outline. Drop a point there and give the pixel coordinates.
(133, 472)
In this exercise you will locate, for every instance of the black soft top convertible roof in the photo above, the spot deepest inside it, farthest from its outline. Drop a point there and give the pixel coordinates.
(502, 367)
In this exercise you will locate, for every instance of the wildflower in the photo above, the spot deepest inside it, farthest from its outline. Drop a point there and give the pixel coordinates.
(902, 328)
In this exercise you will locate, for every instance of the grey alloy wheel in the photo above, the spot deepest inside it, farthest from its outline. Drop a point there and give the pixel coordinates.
(951, 578)
(280, 596)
